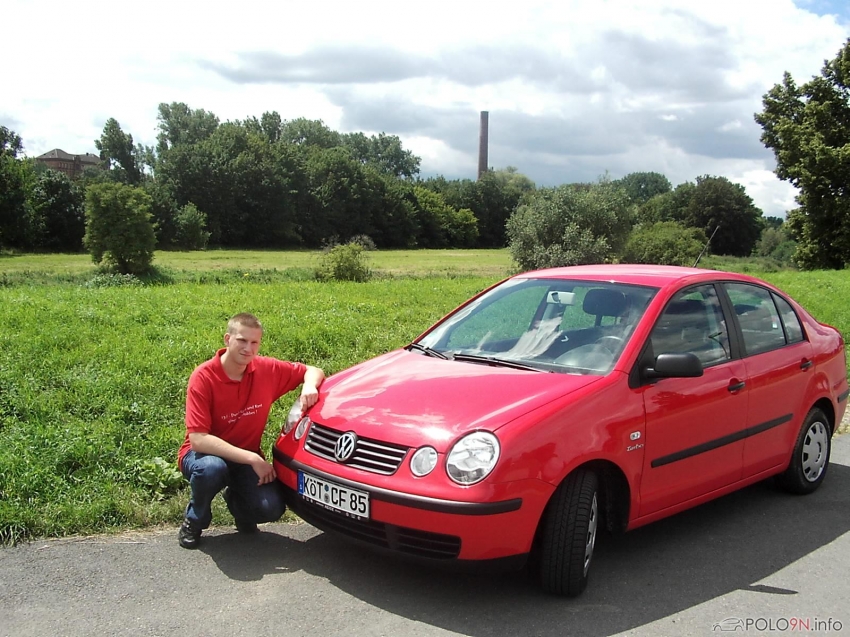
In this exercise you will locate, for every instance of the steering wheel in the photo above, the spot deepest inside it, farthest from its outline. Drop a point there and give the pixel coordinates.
(610, 342)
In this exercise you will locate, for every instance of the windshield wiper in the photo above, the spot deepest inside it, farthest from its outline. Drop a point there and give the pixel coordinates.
(492, 360)
(427, 351)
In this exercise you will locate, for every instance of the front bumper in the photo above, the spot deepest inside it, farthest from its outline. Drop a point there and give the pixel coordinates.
(425, 527)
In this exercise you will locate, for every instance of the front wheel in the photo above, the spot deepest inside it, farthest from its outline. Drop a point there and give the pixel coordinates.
(810, 458)
(568, 534)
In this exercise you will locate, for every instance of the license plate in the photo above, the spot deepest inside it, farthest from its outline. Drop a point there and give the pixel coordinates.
(333, 496)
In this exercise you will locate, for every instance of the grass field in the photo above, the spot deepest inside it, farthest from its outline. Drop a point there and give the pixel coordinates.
(92, 374)
(15, 269)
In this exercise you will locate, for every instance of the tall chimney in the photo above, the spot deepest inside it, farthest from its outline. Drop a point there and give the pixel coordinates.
(482, 143)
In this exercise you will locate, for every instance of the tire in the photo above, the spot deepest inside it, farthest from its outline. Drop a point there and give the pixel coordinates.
(810, 458)
(568, 534)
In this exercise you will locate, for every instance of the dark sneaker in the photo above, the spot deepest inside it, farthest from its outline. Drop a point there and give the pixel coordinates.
(189, 537)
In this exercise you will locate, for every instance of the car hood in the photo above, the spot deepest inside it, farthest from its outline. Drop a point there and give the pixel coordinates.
(411, 399)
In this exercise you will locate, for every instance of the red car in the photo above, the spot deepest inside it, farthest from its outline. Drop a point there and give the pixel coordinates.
(563, 401)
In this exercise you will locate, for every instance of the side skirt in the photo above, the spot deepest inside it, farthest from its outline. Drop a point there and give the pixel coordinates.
(712, 495)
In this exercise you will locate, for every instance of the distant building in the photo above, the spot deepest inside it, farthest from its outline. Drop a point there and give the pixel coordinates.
(71, 165)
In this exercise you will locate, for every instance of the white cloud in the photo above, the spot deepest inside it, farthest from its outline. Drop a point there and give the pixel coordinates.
(574, 88)
(734, 125)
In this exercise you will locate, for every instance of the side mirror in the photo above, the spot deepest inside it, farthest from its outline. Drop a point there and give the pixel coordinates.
(674, 366)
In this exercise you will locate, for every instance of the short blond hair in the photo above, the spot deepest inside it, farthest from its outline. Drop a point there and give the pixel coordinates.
(245, 320)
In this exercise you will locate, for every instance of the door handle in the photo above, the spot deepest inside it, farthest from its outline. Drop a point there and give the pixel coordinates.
(736, 386)
(806, 364)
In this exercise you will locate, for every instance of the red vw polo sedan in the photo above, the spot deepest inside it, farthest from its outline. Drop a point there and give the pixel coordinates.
(563, 401)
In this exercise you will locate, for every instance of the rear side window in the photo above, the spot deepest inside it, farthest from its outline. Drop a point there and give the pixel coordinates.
(790, 320)
(758, 317)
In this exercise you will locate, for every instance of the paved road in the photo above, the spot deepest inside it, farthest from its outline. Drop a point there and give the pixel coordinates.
(755, 556)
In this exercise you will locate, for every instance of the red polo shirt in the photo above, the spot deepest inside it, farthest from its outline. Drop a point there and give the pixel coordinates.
(236, 411)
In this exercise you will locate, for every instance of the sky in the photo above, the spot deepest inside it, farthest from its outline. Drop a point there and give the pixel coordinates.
(575, 89)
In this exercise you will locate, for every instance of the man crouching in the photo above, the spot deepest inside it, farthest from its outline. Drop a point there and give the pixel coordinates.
(227, 405)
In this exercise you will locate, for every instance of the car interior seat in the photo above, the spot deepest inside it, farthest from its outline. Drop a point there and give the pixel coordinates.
(684, 327)
(601, 302)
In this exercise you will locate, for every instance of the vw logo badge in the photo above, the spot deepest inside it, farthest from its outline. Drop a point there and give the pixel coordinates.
(345, 446)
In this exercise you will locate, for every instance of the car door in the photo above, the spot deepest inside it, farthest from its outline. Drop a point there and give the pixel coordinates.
(693, 425)
(778, 361)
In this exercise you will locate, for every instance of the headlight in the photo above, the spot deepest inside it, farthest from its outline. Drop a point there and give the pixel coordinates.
(473, 457)
(423, 461)
(292, 417)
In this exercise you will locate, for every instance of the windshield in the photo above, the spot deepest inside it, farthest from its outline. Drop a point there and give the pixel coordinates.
(547, 324)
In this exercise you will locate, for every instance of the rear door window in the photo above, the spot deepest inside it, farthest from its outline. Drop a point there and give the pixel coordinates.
(761, 326)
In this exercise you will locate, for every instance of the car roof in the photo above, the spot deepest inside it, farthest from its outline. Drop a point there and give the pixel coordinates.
(636, 274)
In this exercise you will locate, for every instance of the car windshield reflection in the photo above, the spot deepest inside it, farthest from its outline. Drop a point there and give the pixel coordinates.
(566, 326)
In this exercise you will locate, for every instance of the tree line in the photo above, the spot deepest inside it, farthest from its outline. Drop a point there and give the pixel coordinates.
(259, 183)
(269, 183)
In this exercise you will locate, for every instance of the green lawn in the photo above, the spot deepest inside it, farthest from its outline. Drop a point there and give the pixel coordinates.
(494, 263)
(93, 381)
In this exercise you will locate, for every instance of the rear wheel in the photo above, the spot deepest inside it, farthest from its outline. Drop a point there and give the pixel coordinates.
(568, 534)
(810, 458)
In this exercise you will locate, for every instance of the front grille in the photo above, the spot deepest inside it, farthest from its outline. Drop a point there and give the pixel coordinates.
(369, 455)
(387, 536)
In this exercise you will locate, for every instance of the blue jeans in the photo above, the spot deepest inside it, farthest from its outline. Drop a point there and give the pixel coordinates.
(248, 501)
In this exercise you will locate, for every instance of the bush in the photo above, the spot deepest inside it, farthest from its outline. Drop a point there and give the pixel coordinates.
(365, 242)
(569, 225)
(769, 241)
(664, 243)
(784, 253)
(776, 244)
(191, 226)
(344, 263)
(119, 230)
